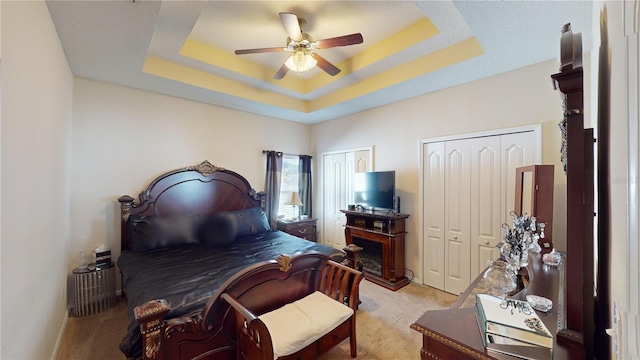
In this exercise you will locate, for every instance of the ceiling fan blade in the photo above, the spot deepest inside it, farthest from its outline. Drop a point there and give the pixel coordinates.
(281, 72)
(323, 64)
(339, 41)
(260, 50)
(291, 25)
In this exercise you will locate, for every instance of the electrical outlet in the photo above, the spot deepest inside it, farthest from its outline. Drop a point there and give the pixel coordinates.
(624, 334)
(616, 331)
(631, 321)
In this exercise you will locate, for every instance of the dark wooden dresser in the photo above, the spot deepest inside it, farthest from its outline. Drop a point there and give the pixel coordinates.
(454, 333)
(305, 228)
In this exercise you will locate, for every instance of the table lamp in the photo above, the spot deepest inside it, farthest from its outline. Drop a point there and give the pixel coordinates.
(294, 199)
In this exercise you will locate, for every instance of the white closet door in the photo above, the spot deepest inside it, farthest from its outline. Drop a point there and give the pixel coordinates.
(334, 170)
(457, 222)
(517, 150)
(463, 210)
(356, 161)
(433, 214)
(338, 171)
(485, 202)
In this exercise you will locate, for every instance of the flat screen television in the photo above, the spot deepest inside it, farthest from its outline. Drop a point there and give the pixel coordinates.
(375, 189)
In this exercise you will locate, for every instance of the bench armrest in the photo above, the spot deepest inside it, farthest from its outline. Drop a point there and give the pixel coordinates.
(341, 283)
(254, 339)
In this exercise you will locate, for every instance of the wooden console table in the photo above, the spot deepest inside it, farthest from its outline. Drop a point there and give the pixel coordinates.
(381, 235)
(454, 333)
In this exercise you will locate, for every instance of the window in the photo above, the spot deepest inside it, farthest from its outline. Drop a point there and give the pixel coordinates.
(289, 183)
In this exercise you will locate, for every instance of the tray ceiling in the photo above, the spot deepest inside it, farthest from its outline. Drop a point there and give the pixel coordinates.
(410, 48)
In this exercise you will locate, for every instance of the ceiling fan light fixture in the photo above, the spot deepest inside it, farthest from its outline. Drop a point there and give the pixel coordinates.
(300, 61)
(303, 47)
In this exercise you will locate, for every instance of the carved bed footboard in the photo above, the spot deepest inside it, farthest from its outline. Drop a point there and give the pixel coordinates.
(263, 287)
(187, 337)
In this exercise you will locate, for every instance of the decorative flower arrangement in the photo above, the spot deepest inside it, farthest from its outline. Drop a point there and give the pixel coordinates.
(520, 239)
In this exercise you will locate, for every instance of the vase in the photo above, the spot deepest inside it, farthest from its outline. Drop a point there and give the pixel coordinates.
(517, 256)
(500, 277)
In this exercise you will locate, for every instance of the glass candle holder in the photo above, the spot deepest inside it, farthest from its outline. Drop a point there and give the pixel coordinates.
(552, 258)
(82, 256)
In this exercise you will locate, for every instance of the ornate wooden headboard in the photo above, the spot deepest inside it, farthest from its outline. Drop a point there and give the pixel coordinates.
(203, 189)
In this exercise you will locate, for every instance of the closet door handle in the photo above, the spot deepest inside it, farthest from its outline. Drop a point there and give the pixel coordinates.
(455, 237)
(487, 242)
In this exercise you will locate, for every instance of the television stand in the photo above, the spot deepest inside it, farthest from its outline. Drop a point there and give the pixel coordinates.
(380, 234)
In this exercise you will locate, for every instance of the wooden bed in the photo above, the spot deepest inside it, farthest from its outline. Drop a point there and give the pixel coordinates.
(174, 288)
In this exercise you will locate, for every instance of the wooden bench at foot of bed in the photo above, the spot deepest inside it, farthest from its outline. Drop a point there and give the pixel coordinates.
(257, 295)
(306, 327)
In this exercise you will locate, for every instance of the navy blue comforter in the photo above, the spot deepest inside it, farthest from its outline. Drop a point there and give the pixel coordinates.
(187, 276)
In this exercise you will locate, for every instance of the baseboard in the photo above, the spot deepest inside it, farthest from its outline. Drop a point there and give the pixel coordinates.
(60, 335)
(415, 280)
(412, 276)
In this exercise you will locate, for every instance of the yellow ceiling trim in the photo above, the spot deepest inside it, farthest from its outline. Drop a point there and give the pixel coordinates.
(453, 54)
(210, 55)
(188, 75)
(411, 35)
(448, 56)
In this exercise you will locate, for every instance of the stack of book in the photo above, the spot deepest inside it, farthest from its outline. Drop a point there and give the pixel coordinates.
(512, 327)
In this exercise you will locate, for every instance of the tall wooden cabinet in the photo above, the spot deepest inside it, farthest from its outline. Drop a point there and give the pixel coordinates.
(468, 191)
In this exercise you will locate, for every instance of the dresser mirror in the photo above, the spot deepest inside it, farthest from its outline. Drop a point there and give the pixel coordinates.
(526, 195)
(534, 196)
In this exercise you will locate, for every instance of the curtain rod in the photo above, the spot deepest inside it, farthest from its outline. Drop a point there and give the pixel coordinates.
(266, 151)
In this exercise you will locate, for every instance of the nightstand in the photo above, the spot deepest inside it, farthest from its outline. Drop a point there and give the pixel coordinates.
(305, 228)
(94, 289)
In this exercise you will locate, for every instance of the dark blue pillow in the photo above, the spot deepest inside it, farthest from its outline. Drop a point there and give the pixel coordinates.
(218, 230)
(251, 221)
(159, 232)
(140, 232)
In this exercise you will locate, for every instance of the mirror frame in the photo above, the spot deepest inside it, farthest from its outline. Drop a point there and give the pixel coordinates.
(541, 198)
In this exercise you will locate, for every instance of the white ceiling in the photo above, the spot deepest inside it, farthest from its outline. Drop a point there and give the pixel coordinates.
(410, 48)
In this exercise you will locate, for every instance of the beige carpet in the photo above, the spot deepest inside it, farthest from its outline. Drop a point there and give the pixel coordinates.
(383, 322)
(95, 337)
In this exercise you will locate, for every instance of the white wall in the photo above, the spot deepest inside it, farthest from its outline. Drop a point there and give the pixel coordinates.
(36, 151)
(623, 173)
(0, 180)
(520, 97)
(123, 138)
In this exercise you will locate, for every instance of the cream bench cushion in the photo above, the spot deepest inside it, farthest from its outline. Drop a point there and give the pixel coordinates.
(296, 325)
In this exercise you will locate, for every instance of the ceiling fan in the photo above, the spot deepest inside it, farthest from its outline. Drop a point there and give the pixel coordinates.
(302, 46)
